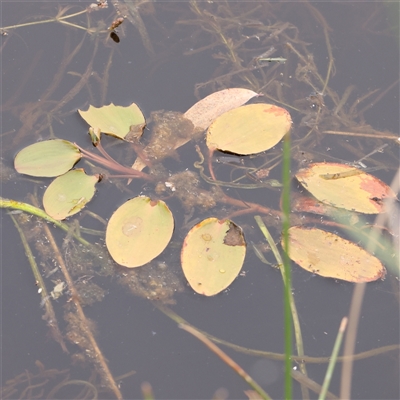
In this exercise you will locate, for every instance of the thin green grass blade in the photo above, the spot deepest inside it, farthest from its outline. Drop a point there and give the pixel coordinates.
(332, 362)
(286, 266)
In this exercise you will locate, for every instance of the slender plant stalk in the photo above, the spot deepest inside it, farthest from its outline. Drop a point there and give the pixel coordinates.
(293, 309)
(55, 19)
(224, 357)
(332, 362)
(288, 298)
(50, 315)
(319, 17)
(113, 165)
(312, 385)
(18, 205)
(277, 356)
(98, 358)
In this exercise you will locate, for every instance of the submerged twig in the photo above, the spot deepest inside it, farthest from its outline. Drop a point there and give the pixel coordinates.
(98, 358)
(379, 97)
(377, 135)
(277, 356)
(312, 385)
(228, 360)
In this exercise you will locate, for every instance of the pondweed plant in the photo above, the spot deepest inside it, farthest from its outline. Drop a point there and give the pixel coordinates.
(257, 52)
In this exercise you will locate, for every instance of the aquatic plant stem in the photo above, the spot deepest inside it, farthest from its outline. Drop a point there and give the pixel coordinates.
(50, 316)
(234, 184)
(290, 311)
(350, 341)
(276, 356)
(319, 17)
(37, 109)
(224, 357)
(55, 19)
(287, 297)
(375, 135)
(18, 205)
(98, 358)
(293, 310)
(114, 165)
(332, 362)
(81, 83)
(312, 385)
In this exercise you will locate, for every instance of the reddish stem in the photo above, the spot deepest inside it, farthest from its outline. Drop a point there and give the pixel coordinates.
(110, 163)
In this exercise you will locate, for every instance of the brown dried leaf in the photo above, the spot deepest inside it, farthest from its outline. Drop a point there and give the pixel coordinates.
(208, 109)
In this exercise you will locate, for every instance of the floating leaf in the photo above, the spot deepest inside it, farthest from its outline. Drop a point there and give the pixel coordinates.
(211, 107)
(249, 129)
(344, 186)
(114, 120)
(201, 115)
(47, 159)
(139, 231)
(326, 254)
(212, 255)
(301, 203)
(69, 193)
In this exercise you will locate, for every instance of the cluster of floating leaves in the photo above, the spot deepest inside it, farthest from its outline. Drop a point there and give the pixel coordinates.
(155, 280)
(141, 229)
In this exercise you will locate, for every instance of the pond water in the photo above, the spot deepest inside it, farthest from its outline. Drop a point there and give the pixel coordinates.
(340, 75)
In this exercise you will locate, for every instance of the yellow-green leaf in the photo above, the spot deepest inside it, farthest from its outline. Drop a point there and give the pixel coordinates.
(139, 231)
(326, 254)
(47, 159)
(344, 186)
(249, 129)
(114, 120)
(69, 193)
(212, 255)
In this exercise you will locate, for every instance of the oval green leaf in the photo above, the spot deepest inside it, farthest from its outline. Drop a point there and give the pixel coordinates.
(344, 186)
(249, 129)
(69, 193)
(47, 159)
(212, 255)
(326, 254)
(114, 120)
(139, 231)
